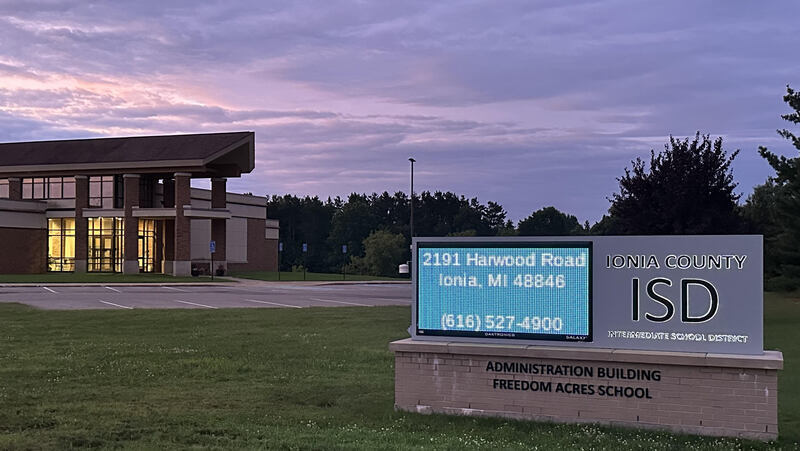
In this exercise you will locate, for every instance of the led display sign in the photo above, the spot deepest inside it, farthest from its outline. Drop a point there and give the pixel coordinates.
(520, 290)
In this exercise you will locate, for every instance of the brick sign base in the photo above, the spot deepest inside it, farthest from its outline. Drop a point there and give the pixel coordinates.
(697, 393)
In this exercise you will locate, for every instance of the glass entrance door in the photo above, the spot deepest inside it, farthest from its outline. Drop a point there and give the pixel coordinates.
(147, 245)
(105, 244)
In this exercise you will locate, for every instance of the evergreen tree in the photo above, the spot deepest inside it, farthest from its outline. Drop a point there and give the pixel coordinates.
(760, 214)
(787, 204)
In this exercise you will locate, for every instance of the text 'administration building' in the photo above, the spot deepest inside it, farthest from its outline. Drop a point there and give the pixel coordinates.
(126, 205)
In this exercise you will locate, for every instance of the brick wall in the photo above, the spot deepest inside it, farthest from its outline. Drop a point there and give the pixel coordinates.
(262, 254)
(131, 234)
(695, 393)
(182, 242)
(24, 251)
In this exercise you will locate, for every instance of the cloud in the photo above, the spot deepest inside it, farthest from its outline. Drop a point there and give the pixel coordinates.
(528, 103)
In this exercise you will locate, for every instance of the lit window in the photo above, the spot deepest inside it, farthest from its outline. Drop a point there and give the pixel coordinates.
(61, 244)
(105, 244)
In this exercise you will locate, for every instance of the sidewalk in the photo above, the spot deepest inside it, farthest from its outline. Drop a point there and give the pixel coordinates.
(229, 282)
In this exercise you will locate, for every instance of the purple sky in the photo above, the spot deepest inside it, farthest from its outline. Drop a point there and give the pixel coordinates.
(527, 103)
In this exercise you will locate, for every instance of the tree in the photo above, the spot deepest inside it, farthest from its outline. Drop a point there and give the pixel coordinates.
(352, 223)
(686, 189)
(383, 252)
(787, 202)
(607, 225)
(329, 225)
(760, 215)
(549, 221)
(302, 220)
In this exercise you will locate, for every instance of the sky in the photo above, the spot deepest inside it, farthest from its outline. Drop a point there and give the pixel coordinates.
(525, 103)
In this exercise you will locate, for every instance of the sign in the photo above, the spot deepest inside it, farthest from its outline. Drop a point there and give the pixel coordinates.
(280, 246)
(668, 293)
(305, 247)
(524, 290)
(344, 248)
(212, 246)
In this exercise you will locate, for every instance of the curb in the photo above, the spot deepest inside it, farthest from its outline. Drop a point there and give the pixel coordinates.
(116, 284)
(366, 282)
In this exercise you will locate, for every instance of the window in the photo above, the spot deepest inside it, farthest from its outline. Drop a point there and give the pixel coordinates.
(61, 244)
(119, 190)
(3, 188)
(105, 244)
(146, 193)
(34, 188)
(48, 188)
(101, 191)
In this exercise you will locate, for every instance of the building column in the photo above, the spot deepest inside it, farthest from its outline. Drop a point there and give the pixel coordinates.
(182, 265)
(168, 263)
(168, 201)
(218, 226)
(130, 263)
(81, 223)
(15, 188)
(158, 238)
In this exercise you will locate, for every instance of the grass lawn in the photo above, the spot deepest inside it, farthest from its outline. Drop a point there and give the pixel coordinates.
(318, 378)
(67, 277)
(310, 276)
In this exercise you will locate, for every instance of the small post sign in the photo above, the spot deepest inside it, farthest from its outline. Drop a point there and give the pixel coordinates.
(212, 247)
(344, 265)
(305, 250)
(280, 251)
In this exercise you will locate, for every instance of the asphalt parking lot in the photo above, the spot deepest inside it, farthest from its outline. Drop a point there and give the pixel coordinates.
(251, 295)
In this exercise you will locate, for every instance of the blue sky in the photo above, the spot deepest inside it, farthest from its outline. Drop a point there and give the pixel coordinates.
(526, 103)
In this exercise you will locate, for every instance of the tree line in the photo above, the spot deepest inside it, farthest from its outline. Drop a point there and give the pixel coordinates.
(687, 188)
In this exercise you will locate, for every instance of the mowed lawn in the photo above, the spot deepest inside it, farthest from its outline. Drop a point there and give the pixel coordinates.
(318, 378)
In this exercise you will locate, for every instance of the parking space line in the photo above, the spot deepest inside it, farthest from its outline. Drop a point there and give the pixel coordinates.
(341, 302)
(113, 289)
(194, 303)
(117, 305)
(52, 291)
(173, 288)
(273, 303)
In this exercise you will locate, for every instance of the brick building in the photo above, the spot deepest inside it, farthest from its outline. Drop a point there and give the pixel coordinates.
(126, 205)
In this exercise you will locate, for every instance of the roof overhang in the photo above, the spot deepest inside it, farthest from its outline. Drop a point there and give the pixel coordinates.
(231, 161)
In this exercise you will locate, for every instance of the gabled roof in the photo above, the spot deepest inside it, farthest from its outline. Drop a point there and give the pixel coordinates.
(203, 155)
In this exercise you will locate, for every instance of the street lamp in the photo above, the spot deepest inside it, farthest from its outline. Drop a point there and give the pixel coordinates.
(412, 196)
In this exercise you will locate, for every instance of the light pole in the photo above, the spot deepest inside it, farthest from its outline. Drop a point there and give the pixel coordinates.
(412, 196)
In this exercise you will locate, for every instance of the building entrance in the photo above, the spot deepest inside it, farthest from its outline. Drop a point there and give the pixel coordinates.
(147, 246)
(105, 244)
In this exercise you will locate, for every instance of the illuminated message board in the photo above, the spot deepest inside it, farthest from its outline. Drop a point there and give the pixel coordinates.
(689, 293)
(520, 290)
